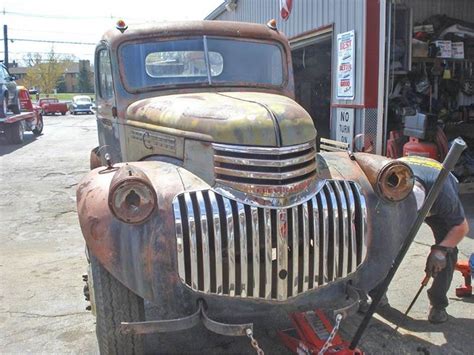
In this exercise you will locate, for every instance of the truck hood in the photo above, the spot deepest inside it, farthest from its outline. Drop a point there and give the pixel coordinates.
(247, 118)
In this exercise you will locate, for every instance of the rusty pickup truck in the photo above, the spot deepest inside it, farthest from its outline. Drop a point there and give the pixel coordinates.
(207, 197)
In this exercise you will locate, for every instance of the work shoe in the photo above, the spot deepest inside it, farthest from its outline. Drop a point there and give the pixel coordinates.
(437, 315)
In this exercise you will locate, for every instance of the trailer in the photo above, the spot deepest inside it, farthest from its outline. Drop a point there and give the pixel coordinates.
(13, 126)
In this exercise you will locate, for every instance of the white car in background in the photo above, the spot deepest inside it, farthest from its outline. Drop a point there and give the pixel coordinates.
(81, 104)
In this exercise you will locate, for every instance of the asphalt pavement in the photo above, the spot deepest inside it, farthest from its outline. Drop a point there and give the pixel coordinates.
(42, 309)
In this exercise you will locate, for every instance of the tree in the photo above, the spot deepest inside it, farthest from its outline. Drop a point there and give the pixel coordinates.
(45, 73)
(31, 59)
(84, 83)
(61, 84)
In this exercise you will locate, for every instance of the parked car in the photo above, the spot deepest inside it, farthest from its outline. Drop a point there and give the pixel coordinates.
(207, 197)
(51, 106)
(81, 104)
(8, 92)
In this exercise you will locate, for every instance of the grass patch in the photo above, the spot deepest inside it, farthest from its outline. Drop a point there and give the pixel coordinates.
(67, 96)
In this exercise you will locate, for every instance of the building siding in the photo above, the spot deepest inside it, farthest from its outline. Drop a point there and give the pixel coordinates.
(344, 15)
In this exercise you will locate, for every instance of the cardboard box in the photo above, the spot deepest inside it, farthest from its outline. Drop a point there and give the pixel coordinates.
(419, 48)
(458, 50)
(444, 49)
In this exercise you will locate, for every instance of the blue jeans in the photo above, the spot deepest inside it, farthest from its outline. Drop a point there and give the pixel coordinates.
(442, 282)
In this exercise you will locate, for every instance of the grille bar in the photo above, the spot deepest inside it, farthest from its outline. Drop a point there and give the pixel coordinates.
(227, 248)
(217, 243)
(265, 163)
(255, 251)
(265, 175)
(243, 250)
(243, 167)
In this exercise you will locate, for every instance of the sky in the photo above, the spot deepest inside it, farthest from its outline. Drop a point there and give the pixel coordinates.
(84, 21)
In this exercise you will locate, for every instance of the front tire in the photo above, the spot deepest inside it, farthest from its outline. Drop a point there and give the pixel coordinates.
(39, 127)
(4, 107)
(16, 132)
(114, 303)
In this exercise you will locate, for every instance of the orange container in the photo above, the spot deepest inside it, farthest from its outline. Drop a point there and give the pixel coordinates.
(425, 149)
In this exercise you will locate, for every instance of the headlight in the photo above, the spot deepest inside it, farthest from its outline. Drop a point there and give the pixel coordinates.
(132, 198)
(395, 181)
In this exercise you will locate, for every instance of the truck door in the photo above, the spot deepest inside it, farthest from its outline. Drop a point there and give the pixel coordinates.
(107, 123)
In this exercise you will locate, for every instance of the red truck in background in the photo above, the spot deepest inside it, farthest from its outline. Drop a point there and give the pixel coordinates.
(50, 106)
(13, 126)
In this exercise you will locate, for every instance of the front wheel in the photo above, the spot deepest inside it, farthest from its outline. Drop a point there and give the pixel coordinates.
(114, 303)
(16, 132)
(4, 107)
(39, 127)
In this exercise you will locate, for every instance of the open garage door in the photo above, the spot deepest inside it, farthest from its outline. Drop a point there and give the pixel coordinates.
(312, 71)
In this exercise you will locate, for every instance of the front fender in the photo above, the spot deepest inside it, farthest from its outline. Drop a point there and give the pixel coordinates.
(131, 252)
(388, 222)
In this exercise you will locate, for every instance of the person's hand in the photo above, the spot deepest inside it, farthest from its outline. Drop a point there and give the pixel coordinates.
(436, 262)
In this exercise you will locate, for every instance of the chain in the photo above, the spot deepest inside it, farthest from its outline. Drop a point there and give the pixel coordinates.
(331, 336)
(254, 342)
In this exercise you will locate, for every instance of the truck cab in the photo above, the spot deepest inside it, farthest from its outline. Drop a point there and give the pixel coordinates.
(207, 185)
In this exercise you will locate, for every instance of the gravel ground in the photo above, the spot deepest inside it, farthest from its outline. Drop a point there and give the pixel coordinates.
(42, 309)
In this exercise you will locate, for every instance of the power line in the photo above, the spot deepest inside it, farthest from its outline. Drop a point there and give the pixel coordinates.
(52, 32)
(49, 41)
(65, 17)
(57, 53)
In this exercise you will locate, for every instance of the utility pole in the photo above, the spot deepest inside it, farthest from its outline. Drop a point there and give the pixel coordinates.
(5, 44)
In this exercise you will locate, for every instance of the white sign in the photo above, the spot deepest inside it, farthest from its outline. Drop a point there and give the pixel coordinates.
(345, 65)
(345, 125)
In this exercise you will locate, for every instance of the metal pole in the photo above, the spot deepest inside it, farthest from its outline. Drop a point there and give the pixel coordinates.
(5, 44)
(449, 162)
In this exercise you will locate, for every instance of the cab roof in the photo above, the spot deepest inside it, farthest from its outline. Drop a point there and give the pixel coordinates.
(193, 28)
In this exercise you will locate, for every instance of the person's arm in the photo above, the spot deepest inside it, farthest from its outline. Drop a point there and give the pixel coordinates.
(455, 235)
(448, 207)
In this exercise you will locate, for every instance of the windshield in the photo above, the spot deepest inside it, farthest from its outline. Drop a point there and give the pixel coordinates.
(82, 100)
(214, 61)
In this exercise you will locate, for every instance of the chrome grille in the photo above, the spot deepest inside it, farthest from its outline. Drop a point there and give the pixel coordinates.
(239, 166)
(228, 248)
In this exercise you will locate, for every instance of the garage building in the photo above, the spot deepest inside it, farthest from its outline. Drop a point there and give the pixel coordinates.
(362, 66)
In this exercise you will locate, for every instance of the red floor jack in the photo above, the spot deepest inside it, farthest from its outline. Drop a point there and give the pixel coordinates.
(314, 334)
(466, 290)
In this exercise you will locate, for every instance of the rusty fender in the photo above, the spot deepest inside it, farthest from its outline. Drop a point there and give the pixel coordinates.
(132, 252)
(94, 159)
(388, 222)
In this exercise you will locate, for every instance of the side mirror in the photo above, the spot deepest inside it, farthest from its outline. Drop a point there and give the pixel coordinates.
(12, 77)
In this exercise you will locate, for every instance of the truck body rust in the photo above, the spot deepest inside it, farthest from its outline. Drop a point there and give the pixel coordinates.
(249, 217)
